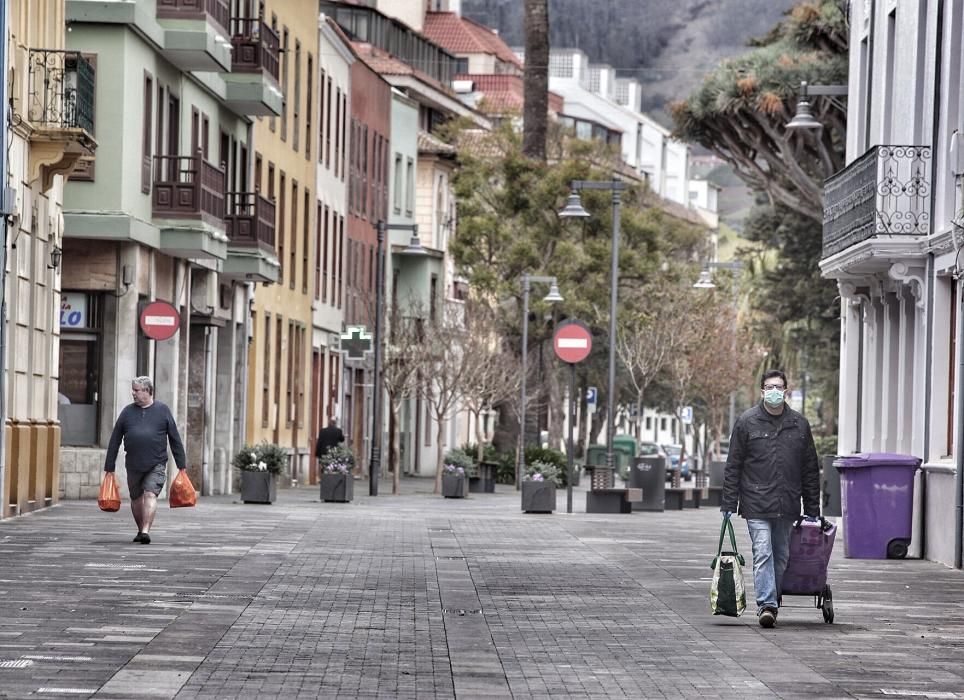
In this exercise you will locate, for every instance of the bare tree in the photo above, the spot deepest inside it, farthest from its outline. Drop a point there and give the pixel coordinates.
(444, 360)
(492, 374)
(400, 373)
(645, 339)
(535, 115)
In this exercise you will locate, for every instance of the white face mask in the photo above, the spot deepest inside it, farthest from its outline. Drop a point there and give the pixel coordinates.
(773, 397)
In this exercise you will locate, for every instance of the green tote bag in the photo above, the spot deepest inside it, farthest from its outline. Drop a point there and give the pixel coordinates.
(727, 593)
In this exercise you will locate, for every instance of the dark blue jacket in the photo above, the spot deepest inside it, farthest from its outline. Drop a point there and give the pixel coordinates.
(145, 432)
(771, 466)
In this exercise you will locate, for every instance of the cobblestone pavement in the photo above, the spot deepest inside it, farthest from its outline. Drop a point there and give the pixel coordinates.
(416, 596)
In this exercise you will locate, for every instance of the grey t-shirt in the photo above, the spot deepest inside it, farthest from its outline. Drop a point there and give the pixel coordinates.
(145, 432)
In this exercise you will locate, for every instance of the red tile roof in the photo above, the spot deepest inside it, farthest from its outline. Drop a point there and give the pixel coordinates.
(462, 36)
(385, 64)
(505, 93)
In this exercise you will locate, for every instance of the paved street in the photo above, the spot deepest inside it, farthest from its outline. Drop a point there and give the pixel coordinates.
(418, 596)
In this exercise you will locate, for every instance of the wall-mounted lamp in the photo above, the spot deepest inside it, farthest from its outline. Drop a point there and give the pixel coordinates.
(803, 119)
(56, 255)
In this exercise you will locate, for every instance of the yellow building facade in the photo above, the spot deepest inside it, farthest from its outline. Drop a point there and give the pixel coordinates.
(280, 351)
(49, 134)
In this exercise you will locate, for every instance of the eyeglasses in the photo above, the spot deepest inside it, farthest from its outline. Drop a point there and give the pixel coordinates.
(778, 387)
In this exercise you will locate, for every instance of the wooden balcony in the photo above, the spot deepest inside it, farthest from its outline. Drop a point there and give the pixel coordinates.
(195, 34)
(250, 220)
(255, 47)
(188, 187)
(251, 88)
(216, 11)
(250, 224)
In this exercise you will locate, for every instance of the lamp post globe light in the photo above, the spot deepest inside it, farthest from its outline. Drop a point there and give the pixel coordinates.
(552, 297)
(414, 248)
(705, 281)
(574, 209)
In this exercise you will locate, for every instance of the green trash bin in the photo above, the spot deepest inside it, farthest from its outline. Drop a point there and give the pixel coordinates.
(624, 453)
(596, 455)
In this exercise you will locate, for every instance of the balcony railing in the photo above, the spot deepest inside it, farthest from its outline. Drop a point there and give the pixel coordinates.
(255, 47)
(887, 191)
(250, 219)
(216, 10)
(60, 91)
(188, 187)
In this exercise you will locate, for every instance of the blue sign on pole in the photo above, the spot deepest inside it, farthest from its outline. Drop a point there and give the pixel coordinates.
(591, 396)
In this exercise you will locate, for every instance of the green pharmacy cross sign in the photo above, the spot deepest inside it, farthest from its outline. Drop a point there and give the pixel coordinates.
(355, 342)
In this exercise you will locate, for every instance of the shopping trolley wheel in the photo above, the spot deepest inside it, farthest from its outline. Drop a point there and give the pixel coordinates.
(827, 607)
(897, 549)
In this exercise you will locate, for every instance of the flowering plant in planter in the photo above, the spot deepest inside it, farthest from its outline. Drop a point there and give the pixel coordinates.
(337, 460)
(539, 487)
(542, 471)
(455, 480)
(336, 475)
(265, 457)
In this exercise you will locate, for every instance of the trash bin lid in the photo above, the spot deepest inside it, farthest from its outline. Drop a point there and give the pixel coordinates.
(876, 459)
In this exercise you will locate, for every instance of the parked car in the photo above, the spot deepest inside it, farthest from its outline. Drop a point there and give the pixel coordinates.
(674, 452)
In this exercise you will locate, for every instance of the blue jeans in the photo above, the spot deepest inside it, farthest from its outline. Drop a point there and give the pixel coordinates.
(771, 550)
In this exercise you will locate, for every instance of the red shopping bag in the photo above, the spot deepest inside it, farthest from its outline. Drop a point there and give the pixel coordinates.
(183, 494)
(109, 497)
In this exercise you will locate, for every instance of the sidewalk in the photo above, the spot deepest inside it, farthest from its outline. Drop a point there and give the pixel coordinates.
(416, 596)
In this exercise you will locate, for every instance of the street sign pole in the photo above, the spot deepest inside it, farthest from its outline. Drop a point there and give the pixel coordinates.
(572, 420)
(572, 343)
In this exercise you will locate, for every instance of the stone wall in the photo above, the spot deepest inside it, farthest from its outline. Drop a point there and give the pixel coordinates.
(81, 471)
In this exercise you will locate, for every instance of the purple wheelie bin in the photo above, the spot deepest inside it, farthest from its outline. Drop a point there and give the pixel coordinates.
(877, 497)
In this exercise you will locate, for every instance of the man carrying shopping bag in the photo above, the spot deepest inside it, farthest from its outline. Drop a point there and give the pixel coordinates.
(146, 427)
(771, 466)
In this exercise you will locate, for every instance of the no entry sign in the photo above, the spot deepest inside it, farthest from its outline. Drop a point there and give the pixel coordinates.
(572, 342)
(160, 320)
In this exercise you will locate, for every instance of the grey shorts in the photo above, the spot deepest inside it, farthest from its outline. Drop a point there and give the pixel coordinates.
(152, 480)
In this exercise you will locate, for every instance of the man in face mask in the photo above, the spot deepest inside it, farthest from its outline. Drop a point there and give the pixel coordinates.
(770, 468)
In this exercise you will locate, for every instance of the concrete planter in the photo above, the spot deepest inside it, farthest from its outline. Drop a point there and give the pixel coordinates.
(259, 487)
(337, 488)
(455, 485)
(538, 496)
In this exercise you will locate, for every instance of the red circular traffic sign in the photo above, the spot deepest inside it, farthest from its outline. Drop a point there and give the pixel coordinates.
(160, 320)
(572, 342)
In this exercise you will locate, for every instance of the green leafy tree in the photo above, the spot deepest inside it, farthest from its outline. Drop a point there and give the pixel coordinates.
(508, 226)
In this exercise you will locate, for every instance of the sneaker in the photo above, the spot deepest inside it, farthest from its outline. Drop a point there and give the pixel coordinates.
(138, 537)
(768, 618)
(145, 538)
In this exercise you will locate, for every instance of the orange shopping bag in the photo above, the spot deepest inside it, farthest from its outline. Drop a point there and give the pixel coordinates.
(109, 497)
(183, 494)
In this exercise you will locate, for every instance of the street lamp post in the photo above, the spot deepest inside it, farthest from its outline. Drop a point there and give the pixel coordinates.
(706, 282)
(414, 248)
(574, 209)
(552, 297)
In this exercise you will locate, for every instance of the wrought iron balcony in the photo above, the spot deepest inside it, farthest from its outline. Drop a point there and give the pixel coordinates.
(217, 11)
(886, 191)
(60, 92)
(188, 187)
(250, 220)
(255, 47)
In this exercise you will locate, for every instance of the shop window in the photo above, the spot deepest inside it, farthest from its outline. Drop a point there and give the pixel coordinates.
(79, 367)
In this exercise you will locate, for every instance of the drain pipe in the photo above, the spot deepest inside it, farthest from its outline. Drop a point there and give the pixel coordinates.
(5, 205)
(959, 440)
